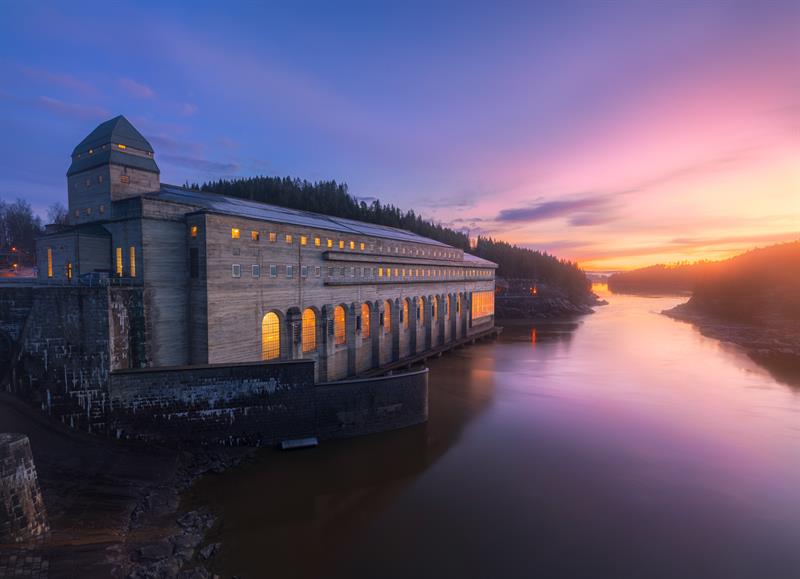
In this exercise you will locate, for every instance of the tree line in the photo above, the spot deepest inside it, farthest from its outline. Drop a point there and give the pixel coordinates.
(333, 198)
(19, 228)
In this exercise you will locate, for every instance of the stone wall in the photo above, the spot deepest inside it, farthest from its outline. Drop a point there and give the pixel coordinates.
(22, 512)
(61, 347)
(260, 403)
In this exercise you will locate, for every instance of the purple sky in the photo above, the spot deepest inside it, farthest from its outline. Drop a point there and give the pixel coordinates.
(617, 134)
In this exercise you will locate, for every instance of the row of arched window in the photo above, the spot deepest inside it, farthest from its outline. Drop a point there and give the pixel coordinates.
(271, 325)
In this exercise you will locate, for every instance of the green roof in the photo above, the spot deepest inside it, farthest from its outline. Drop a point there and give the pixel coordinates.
(116, 130)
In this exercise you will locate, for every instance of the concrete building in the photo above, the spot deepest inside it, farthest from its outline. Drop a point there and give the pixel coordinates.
(225, 280)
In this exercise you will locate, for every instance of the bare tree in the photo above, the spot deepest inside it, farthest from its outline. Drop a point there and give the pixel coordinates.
(57, 213)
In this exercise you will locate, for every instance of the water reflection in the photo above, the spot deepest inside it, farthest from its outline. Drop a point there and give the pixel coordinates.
(622, 445)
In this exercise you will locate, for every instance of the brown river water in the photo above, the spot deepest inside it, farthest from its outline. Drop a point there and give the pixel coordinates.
(620, 445)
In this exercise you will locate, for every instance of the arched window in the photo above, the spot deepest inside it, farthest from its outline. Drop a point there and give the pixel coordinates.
(365, 320)
(449, 305)
(458, 304)
(338, 326)
(309, 330)
(270, 337)
(421, 309)
(435, 305)
(405, 313)
(387, 316)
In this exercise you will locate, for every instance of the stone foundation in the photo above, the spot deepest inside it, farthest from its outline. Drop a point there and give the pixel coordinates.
(22, 512)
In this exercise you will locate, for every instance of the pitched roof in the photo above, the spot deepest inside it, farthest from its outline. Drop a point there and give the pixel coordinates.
(116, 130)
(112, 156)
(216, 203)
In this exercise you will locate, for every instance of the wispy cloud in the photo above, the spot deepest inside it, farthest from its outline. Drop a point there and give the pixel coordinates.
(61, 80)
(136, 89)
(188, 109)
(587, 210)
(72, 110)
(204, 165)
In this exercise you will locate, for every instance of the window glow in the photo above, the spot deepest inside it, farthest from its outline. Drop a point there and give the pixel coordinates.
(273, 237)
(387, 316)
(309, 334)
(288, 238)
(254, 236)
(339, 326)
(49, 262)
(69, 270)
(235, 233)
(303, 240)
(132, 255)
(119, 262)
(330, 243)
(405, 313)
(482, 304)
(270, 337)
(194, 231)
(121, 146)
(352, 244)
(365, 320)
(341, 244)
(317, 242)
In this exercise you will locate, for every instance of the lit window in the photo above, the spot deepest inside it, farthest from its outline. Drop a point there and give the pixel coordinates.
(303, 240)
(387, 316)
(365, 320)
(273, 237)
(309, 331)
(395, 272)
(69, 270)
(339, 326)
(121, 146)
(435, 308)
(482, 304)
(236, 270)
(255, 270)
(352, 244)
(235, 233)
(270, 337)
(50, 262)
(119, 262)
(405, 313)
(380, 272)
(194, 231)
(317, 242)
(124, 179)
(330, 243)
(341, 244)
(132, 255)
(362, 246)
(254, 236)
(288, 238)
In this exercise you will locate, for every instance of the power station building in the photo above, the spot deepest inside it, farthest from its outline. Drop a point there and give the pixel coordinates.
(224, 280)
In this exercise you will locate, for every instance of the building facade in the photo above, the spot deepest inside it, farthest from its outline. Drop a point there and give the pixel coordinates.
(227, 280)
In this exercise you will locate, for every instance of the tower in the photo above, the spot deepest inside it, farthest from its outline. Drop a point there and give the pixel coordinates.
(112, 163)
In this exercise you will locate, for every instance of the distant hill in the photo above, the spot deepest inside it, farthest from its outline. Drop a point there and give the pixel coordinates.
(332, 198)
(680, 278)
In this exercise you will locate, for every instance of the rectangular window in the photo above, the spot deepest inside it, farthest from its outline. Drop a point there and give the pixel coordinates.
(317, 271)
(235, 233)
(69, 270)
(119, 262)
(341, 244)
(330, 243)
(482, 304)
(49, 262)
(236, 270)
(303, 240)
(194, 263)
(317, 242)
(273, 270)
(254, 236)
(132, 256)
(395, 272)
(304, 271)
(124, 179)
(256, 270)
(194, 231)
(288, 238)
(289, 270)
(273, 237)
(330, 272)
(352, 244)
(362, 246)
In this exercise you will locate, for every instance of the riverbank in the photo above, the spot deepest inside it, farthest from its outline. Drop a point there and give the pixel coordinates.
(113, 508)
(773, 344)
(542, 308)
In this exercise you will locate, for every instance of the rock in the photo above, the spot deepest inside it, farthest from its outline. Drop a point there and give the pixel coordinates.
(209, 550)
(155, 551)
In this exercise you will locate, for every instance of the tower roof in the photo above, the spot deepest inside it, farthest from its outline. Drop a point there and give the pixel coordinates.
(120, 133)
(116, 130)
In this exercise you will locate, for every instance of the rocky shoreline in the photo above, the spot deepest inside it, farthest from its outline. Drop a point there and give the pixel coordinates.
(772, 344)
(533, 308)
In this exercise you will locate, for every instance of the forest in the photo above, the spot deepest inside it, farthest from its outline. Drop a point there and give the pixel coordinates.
(332, 198)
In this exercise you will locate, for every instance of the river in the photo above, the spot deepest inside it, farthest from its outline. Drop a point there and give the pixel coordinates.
(620, 445)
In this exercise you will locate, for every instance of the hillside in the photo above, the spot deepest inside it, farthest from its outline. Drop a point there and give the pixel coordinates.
(332, 198)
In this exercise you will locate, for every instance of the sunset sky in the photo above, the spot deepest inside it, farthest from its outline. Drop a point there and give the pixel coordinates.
(615, 134)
